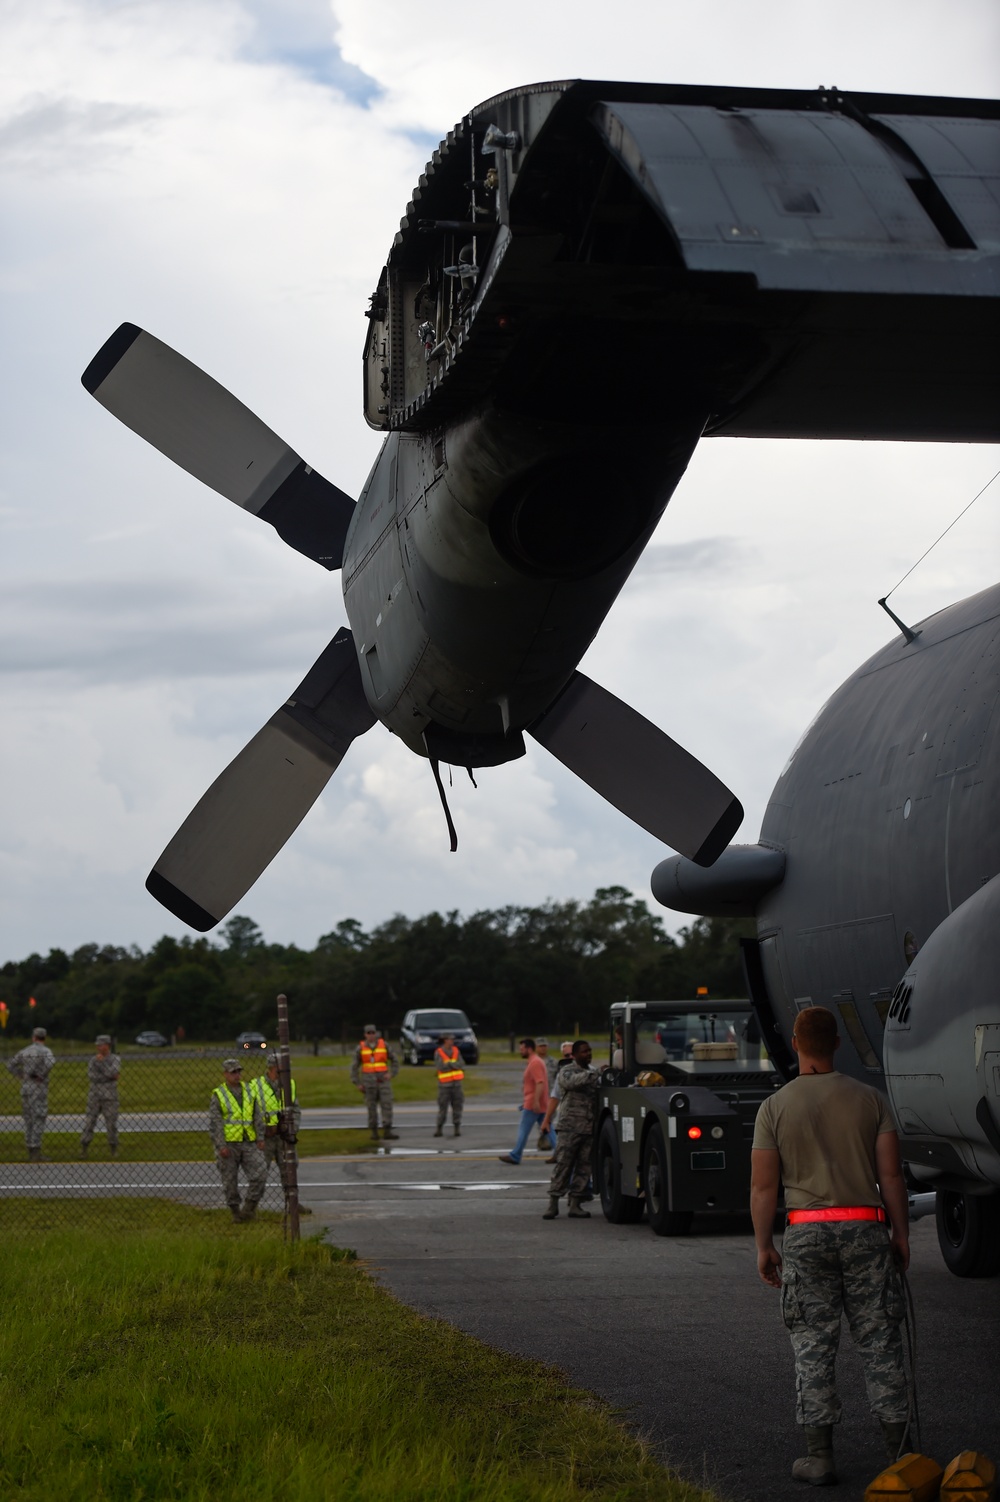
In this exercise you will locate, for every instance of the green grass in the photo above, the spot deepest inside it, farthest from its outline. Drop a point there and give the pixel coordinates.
(185, 1081)
(174, 1147)
(173, 1355)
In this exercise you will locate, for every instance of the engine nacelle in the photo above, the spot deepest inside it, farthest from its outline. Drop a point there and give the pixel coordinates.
(942, 1050)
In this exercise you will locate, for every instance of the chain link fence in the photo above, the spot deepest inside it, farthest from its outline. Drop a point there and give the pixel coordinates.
(150, 1137)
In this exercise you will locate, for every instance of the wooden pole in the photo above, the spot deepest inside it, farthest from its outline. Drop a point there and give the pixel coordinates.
(289, 1157)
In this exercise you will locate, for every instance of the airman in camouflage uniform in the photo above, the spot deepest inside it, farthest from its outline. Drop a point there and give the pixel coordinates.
(267, 1088)
(373, 1069)
(451, 1092)
(32, 1066)
(236, 1127)
(578, 1087)
(831, 1141)
(102, 1095)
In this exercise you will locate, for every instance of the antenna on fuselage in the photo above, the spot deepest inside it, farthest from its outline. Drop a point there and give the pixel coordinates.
(907, 631)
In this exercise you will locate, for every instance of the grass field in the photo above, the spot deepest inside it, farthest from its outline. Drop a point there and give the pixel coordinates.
(171, 1081)
(174, 1355)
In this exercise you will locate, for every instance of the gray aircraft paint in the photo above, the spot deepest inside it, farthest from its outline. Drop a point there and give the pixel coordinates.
(887, 817)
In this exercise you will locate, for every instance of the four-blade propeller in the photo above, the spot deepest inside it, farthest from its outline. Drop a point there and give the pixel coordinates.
(255, 805)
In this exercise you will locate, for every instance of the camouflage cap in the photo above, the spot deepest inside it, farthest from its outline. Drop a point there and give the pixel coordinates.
(103, 1038)
(230, 1066)
(39, 1032)
(541, 1040)
(272, 1059)
(370, 1027)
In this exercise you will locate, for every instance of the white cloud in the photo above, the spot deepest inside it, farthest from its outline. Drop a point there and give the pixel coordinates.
(230, 176)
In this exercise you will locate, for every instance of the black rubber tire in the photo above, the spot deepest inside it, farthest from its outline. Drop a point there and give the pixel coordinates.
(968, 1227)
(654, 1182)
(415, 1056)
(621, 1209)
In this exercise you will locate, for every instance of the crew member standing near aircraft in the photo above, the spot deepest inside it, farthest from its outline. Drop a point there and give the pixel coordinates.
(373, 1069)
(267, 1088)
(451, 1092)
(32, 1066)
(830, 1140)
(236, 1126)
(102, 1095)
(578, 1086)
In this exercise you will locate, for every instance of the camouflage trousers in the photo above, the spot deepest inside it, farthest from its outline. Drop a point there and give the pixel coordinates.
(34, 1109)
(450, 1095)
(248, 1156)
(378, 1093)
(835, 1268)
(572, 1170)
(274, 1152)
(101, 1103)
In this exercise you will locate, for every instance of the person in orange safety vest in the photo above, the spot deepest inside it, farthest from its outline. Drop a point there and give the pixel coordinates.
(448, 1061)
(372, 1069)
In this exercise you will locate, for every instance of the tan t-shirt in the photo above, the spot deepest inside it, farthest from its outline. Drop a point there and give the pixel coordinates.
(824, 1128)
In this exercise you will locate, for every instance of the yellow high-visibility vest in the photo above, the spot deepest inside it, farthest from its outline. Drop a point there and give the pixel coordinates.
(448, 1073)
(270, 1098)
(237, 1115)
(374, 1060)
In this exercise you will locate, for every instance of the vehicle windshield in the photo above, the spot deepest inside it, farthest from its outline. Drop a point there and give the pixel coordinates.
(682, 1036)
(698, 1036)
(440, 1019)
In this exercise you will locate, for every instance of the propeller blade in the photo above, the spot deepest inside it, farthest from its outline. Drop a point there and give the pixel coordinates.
(258, 802)
(645, 774)
(202, 427)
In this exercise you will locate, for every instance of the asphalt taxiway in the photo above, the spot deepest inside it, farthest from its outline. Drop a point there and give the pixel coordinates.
(679, 1335)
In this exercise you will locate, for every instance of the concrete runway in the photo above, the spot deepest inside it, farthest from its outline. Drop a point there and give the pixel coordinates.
(679, 1335)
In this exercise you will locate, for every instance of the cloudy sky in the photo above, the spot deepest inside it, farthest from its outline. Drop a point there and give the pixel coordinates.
(228, 174)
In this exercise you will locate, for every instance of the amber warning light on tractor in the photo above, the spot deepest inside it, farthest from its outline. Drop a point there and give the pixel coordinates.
(4, 1014)
(702, 991)
(694, 1133)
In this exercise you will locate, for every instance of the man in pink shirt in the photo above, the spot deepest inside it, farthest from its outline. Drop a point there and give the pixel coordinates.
(535, 1099)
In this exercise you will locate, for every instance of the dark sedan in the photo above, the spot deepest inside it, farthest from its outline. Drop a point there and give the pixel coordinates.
(422, 1032)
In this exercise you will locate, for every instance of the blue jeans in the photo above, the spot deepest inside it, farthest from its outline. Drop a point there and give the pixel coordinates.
(529, 1119)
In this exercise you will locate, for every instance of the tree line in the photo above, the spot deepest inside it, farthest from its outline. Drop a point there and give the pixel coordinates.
(511, 969)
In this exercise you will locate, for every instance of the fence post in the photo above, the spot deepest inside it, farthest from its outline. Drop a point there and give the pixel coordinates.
(289, 1157)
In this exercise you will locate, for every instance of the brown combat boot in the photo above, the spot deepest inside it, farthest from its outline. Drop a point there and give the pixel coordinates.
(575, 1212)
(894, 1432)
(553, 1209)
(390, 1134)
(816, 1466)
(439, 1132)
(374, 1132)
(34, 1155)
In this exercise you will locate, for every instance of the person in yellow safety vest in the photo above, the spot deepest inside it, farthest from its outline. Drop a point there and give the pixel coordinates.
(373, 1068)
(448, 1060)
(236, 1126)
(267, 1088)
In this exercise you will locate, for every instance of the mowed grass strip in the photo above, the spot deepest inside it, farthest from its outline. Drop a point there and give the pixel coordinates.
(184, 1082)
(175, 1147)
(175, 1355)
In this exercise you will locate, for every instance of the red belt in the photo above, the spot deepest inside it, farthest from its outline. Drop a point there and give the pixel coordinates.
(840, 1212)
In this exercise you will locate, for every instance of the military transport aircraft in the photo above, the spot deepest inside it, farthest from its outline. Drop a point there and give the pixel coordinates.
(876, 889)
(589, 278)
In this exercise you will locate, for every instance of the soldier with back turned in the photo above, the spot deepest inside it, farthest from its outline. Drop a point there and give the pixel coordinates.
(32, 1066)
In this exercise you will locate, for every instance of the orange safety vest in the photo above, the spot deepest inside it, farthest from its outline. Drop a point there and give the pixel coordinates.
(374, 1060)
(447, 1072)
